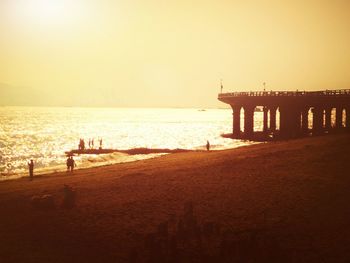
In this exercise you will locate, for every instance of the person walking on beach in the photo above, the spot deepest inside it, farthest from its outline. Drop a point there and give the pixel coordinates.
(69, 163)
(31, 169)
(208, 145)
(72, 164)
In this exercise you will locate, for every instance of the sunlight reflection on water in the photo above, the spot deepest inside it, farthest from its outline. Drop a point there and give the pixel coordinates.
(44, 134)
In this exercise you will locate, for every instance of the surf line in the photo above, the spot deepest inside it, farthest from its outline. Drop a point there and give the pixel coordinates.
(133, 151)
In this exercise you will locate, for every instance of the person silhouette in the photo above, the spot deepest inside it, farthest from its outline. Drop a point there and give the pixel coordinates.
(100, 143)
(208, 146)
(31, 169)
(72, 164)
(69, 163)
(81, 144)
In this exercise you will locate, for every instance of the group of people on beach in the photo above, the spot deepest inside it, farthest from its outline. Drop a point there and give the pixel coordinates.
(70, 164)
(70, 161)
(81, 145)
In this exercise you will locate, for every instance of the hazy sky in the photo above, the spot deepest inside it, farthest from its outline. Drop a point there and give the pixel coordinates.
(168, 53)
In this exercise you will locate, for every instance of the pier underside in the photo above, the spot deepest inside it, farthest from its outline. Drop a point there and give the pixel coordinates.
(299, 113)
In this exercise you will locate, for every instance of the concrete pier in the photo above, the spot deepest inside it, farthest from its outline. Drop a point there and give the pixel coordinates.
(248, 120)
(339, 117)
(317, 120)
(293, 108)
(236, 130)
(273, 110)
(347, 118)
(265, 120)
(305, 120)
(328, 117)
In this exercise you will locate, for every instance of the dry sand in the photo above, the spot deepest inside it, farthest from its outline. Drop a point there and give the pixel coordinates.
(274, 202)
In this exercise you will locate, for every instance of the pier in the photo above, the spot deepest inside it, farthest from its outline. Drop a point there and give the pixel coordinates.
(327, 111)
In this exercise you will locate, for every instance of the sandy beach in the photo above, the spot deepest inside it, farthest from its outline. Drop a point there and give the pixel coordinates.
(282, 201)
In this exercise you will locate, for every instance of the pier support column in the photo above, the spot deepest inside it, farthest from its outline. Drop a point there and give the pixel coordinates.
(339, 118)
(273, 118)
(305, 120)
(297, 122)
(290, 121)
(317, 120)
(266, 111)
(236, 130)
(328, 117)
(248, 120)
(347, 118)
(284, 122)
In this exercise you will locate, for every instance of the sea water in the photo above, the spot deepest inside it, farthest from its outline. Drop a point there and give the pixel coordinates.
(44, 134)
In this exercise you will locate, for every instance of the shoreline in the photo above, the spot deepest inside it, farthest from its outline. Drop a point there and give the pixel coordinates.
(132, 155)
(49, 171)
(284, 201)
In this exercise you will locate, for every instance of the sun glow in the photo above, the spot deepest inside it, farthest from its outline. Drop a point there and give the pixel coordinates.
(167, 53)
(45, 12)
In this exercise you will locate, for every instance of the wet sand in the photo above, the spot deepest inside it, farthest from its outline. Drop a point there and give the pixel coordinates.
(274, 202)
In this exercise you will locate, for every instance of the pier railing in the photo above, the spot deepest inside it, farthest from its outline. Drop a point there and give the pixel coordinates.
(336, 93)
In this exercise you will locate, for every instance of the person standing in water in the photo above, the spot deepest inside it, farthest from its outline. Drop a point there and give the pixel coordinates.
(208, 146)
(31, 169)
(100, 144)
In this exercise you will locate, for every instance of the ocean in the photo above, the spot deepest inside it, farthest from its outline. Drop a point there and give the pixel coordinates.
(45, 133)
